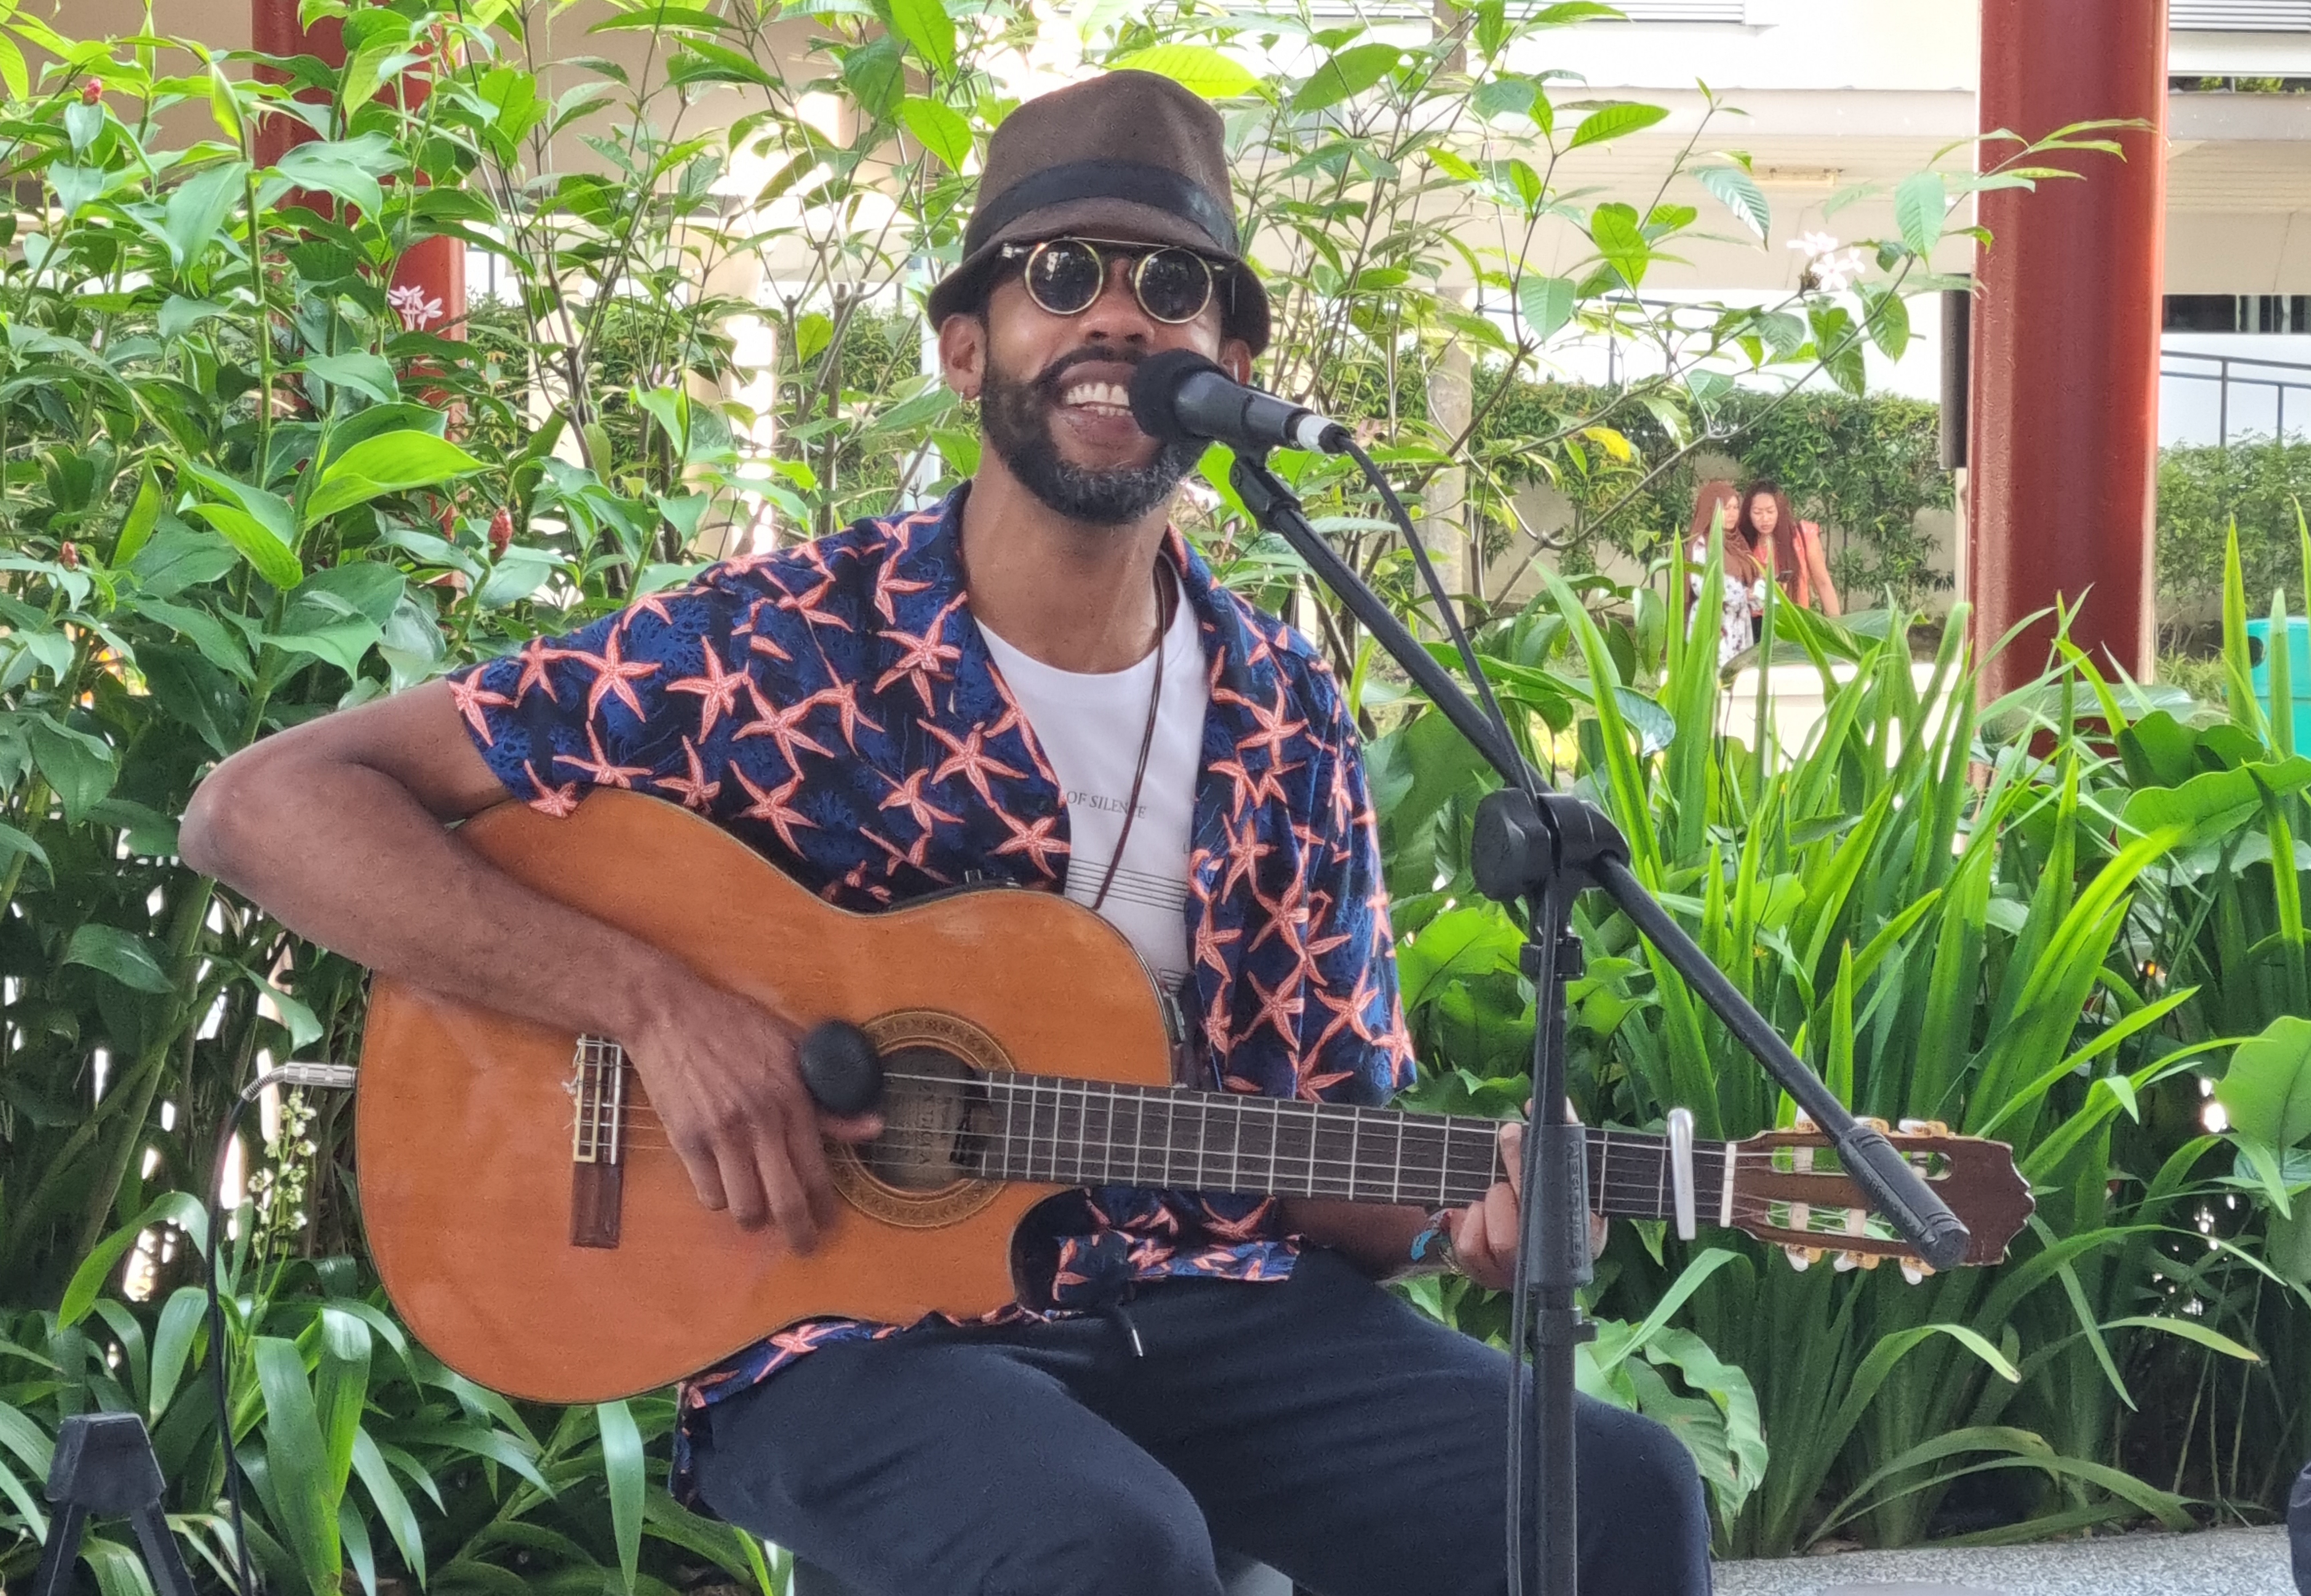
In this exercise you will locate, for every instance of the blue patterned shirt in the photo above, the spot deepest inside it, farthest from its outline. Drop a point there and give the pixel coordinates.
(833, 706)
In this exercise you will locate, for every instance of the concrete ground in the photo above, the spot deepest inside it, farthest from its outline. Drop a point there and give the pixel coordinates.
(2214, 1562)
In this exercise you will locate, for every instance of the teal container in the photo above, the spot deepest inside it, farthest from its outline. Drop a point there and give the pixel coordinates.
(2298, 672)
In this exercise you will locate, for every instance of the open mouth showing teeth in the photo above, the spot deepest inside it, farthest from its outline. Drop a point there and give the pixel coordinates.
(1100, 398)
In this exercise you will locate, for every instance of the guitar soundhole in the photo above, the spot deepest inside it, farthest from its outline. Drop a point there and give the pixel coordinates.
(936, 1122)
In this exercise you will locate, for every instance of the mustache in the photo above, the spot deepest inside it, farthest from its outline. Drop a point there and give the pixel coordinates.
(1047, 383)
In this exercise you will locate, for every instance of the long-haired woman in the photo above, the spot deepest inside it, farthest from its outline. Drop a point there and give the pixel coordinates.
(1801, 568)
(1717, 501)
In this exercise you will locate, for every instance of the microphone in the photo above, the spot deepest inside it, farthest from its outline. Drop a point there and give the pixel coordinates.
(1180, 396)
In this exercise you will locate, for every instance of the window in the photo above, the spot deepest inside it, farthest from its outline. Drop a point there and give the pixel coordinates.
(2240, 16)
(2238, 313)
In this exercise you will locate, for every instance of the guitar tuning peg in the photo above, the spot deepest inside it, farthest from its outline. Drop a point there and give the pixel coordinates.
(1876, 1124)
(1869, 1260)
(1915, 1270)
(1924, 1127)
(1800, 1258)
(1845, 1261)
(1804, 1123)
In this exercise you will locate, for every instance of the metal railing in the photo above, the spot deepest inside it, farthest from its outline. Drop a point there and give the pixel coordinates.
(2297, 379)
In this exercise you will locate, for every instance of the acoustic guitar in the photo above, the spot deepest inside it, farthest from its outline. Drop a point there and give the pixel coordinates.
(538, 1235)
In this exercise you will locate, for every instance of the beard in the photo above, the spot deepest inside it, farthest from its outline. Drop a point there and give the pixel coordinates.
(1016, 416)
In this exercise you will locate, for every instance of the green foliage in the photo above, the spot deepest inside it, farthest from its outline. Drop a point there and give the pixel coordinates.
(2204, 491)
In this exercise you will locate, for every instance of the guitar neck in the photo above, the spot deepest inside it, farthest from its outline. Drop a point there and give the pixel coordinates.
(1094, 1133)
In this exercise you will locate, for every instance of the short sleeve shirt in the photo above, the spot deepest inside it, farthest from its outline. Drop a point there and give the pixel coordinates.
(833, 706)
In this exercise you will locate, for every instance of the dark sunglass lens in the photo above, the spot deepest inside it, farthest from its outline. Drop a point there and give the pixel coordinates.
(1064, 276)
(1174, 285)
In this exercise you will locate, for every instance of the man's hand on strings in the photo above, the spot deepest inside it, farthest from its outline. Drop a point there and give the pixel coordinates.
(1485, 1233)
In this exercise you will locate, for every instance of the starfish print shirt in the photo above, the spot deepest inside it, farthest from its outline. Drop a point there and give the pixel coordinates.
(833, 706)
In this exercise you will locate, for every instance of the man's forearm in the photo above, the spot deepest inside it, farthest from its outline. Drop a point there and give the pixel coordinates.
(347, 855)
(1376, 1237)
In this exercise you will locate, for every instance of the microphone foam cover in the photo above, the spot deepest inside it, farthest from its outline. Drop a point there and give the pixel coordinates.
(1155, 388)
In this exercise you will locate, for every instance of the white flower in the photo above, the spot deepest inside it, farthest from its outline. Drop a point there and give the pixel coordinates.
(1835, 273)
(409, 303)
(1813, 244)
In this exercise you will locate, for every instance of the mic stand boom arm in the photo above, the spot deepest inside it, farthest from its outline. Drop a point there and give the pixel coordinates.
(1546, 848)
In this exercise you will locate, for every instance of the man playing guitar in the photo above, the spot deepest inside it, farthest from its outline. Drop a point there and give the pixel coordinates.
(1034, 683)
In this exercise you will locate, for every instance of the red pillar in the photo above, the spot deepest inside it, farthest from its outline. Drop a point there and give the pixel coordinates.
(2065, 425)
(428, 280)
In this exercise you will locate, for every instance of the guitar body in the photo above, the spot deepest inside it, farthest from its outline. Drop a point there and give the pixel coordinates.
(475, 1197)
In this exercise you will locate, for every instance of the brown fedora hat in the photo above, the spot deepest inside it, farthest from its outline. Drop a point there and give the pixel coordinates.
(1128, 155)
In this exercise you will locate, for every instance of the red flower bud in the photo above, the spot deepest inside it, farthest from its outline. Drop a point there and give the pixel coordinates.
(91, 92)
(68, 557)
(500, 533)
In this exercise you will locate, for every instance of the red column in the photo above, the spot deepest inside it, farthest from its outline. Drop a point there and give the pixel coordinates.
(428, 280)
(2065, 424)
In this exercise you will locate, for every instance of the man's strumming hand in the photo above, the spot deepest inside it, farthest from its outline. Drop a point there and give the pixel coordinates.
(722, 1075)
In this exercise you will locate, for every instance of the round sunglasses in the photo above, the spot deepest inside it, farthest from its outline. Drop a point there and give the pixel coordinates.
(1065, 275)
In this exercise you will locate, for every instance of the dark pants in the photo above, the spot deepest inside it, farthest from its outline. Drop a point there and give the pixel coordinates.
(1319, 1425)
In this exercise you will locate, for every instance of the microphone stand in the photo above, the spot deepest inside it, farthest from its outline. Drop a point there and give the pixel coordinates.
(1545, 848)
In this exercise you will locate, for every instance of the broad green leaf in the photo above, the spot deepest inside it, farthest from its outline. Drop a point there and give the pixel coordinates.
(1620, 240)
(273, 559)
(1615, 121)
(1738, 193)
(1921, 201)
(197, 207)
(79, 767)
(13, 842)
(180, 1208)
(1509, 95)
(391, 463)
(143, 514)
(622, 1472)
(939, 129)
(348, 169)
(120, 955)
(2267, 1089)
(297, 1459)
(1348, 73)
(172, 1344)
(360, 370)
(1889, 323)
(1196, 68)
(926, 25)
(179, 315)
(876, 76)
(1546, 304)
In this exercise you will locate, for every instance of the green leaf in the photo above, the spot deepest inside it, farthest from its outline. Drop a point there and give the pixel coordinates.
(1350, 72)
(1921, 202)
(119, 955)
(180, 1208)
(939, 128)
(144, 515)
(272, 559)
(926, 25)
(179, 315)
(349, 169)
(1196, 67)
(390, 463)
(813, 332)
(1738, 193)
(360, 370)
(876, 76)
(1889, 322)
(197, 207)
(1509, 95)
(1546, 304)
(172, 1344)
(2267, 1089)
(13, 842)
(1615, 121)
(622, 1471)
(78, 766)
(1620, 240)
(297, 1459)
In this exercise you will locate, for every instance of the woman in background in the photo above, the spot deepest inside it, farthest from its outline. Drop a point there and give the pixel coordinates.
(1801, 569)
(1744, 573)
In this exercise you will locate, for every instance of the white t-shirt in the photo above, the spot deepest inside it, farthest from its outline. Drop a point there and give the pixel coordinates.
(1090, 727)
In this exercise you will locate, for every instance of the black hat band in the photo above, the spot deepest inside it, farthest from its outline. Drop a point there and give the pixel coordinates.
(1156, 186)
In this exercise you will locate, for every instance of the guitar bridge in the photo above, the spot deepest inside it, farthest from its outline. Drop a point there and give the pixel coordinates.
(598, 1089)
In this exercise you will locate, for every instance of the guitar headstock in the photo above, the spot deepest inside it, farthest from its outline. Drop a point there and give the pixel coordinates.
(1788, 1189)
